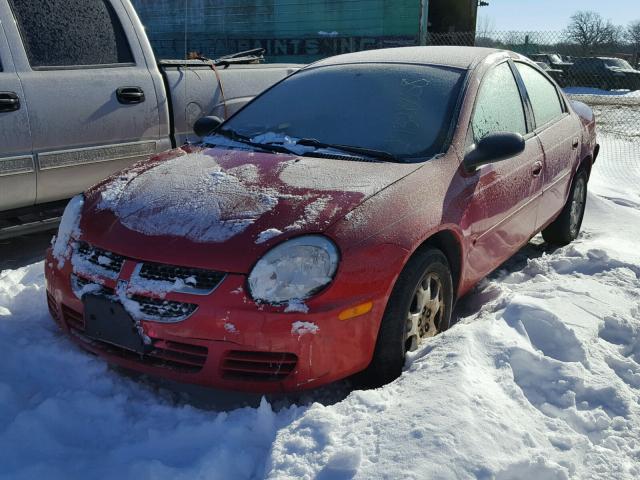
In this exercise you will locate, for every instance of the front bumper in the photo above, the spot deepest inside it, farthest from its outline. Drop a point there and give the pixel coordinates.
(232, 343)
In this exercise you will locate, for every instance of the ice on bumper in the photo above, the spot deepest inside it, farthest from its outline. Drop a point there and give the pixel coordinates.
(294, 270)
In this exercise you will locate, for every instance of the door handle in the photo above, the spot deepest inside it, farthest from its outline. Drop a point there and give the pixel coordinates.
(9, 102)
(575, 144)
(129, 95)
(536, 170)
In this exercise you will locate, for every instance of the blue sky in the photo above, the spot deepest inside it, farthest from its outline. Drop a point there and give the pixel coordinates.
(552, 14)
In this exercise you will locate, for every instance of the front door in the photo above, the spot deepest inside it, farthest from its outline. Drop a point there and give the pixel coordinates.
(504, 199)
(17, 170)
(92, 101)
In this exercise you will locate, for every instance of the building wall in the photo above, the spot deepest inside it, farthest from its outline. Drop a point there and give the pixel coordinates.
(290, 30)
(296, 30)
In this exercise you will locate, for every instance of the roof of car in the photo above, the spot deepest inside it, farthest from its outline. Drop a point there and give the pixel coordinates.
(459, 57)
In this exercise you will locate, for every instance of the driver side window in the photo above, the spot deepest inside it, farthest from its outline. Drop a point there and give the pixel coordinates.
(498, 105)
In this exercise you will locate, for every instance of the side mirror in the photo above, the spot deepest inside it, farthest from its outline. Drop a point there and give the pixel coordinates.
(493, 148)
(206, 125)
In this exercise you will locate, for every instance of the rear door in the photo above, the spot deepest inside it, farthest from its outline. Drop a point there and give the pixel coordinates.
(560, 135)
(92, 101)
(505, 195)
(17, 170)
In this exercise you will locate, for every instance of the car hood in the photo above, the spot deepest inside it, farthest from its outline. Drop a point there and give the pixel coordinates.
(222, 209)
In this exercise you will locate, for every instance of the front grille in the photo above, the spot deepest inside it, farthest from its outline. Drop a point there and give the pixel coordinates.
(73, 319)
(156, 309)
(150, 309)
(258, 366)
(102, 258)
(178, 356)
(194, 278)
(177, 353)
(78, 284)
(184, 357)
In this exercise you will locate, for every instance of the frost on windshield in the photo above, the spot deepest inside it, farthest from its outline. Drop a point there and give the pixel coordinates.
(189, 196)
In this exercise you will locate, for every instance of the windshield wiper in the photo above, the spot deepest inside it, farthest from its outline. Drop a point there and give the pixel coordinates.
(268, 147)
(369, 152)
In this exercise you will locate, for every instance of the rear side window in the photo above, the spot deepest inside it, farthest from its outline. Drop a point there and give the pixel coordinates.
(499, 105)
(68, 33)
(542, 93)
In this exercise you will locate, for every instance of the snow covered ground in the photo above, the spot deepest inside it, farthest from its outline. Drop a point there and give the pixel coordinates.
(539, 379)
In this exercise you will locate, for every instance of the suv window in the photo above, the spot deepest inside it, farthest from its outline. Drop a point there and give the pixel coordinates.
(499, 105)
(542, 94)
(63, 33)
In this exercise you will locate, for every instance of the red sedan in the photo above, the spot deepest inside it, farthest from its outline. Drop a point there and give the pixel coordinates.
(329, 226)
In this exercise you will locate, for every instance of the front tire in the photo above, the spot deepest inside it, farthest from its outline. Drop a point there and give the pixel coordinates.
(419, 307)
(566, 228)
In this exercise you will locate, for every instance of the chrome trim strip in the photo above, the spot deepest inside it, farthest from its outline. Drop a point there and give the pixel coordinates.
(17, 165)
(84, 156)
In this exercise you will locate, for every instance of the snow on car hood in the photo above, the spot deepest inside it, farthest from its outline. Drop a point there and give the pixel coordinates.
(231, 202)
(190, 196)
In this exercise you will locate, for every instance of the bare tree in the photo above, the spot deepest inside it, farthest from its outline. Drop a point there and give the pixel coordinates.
(591, 30)
(633, 37)
(485, 25)
(633, 34)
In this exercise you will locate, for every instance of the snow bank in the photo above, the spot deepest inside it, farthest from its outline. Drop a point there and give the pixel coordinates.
(539, 379)
(65, 415)
(598, 91)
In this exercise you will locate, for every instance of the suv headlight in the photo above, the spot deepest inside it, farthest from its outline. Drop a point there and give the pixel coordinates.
(294, 270)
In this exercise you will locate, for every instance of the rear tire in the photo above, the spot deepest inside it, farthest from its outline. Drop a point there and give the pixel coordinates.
(566, 228)
(419, 307)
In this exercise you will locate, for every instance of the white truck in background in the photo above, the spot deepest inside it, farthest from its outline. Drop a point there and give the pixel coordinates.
(82, 96)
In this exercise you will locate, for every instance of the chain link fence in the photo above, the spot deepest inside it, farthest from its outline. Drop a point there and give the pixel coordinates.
(604, 74)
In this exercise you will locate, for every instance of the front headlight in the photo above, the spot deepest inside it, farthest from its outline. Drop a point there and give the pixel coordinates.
(294, 270)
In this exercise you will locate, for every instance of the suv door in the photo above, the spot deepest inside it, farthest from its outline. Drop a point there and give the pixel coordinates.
(560, 135)
(92, 99)
(17, 170)
(504, 200)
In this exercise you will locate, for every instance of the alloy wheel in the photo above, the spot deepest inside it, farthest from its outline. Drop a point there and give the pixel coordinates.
(426, 311)
(577, 205)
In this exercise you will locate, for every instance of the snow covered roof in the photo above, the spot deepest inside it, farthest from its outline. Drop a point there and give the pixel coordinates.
(460, 57)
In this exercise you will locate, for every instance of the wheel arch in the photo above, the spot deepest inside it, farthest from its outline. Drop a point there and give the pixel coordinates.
(449, 243)
(586, 164)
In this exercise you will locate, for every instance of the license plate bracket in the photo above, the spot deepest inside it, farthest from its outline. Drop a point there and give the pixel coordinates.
(107, 321)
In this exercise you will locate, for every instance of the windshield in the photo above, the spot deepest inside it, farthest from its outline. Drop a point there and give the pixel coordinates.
(616, 62)
(404, 110)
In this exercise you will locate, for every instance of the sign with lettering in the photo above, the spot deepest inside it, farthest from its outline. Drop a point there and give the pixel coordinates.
(323, 46)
